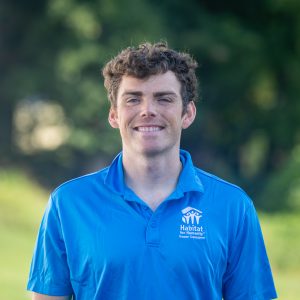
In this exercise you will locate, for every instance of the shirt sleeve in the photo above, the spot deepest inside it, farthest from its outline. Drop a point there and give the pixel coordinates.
(49, 272)
(248, 274)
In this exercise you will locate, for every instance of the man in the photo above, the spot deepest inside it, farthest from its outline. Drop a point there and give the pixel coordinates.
(151, 225)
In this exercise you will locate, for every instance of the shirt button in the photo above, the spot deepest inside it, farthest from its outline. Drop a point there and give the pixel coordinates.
(153, 224)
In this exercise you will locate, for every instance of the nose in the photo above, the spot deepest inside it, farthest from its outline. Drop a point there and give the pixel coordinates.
(148, 108)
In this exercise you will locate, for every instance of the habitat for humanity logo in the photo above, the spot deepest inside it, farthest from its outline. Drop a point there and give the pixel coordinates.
(191, 227)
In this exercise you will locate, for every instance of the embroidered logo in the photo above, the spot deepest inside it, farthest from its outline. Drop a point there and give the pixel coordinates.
(192, 215)
(192, 228)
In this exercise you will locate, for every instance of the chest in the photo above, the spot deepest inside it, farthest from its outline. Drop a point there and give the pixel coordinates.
(181, 237)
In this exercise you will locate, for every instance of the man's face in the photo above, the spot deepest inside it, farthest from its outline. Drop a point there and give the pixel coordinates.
(149, 114)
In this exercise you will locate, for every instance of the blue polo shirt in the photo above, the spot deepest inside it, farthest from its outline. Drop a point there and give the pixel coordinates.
(99, 240)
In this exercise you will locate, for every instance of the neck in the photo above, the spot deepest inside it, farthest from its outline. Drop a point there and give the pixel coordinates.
(152, 178)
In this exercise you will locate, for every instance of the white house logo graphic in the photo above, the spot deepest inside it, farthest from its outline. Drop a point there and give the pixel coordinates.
(192, 227)
(191, 215)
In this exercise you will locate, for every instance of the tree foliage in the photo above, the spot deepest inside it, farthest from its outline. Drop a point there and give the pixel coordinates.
(248, 115)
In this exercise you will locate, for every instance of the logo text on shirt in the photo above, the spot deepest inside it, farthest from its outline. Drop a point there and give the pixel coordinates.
(191, 229)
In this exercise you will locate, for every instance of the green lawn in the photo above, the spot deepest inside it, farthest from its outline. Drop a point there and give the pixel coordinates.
(21, 206)
(22, 202)
(281, 233)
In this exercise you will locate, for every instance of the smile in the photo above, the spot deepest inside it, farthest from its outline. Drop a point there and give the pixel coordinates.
(148, 128)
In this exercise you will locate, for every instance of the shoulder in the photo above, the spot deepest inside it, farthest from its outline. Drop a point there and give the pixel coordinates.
(83, 185)
(210, 179)
(222, 192)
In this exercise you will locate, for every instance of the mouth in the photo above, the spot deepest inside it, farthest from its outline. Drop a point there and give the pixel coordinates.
(149, 128)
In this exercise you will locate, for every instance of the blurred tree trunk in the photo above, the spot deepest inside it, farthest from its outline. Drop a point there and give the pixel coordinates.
(6, 132)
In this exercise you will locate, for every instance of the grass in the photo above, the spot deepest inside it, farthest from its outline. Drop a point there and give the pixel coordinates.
(22, 202)
(281, 233)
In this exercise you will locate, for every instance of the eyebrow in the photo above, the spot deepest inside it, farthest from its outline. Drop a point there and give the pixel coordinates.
(157, 94)
(134, 93)
(165, 93)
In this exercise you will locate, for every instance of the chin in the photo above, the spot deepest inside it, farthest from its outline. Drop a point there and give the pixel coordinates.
(154, 151)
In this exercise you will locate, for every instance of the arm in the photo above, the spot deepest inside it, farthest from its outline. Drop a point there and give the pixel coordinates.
(248, 274)
(36, 296)
(49, 271)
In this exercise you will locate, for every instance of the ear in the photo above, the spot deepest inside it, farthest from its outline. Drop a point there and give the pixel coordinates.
(113, 117)
(189, 116)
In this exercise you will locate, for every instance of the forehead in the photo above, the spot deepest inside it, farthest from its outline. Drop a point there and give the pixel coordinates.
(152, 84)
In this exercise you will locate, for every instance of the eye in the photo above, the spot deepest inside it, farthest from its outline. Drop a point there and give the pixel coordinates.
(133, 100)
(165, 100)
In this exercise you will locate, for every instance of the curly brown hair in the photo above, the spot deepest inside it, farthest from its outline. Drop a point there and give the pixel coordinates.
(151, 59)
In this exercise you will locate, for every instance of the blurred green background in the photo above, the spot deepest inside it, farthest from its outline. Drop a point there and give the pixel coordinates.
(53, 108)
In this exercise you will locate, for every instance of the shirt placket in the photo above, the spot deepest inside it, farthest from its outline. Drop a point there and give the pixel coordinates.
(152, 234)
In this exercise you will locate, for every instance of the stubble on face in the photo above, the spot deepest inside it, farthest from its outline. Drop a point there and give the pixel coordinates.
(149, 114)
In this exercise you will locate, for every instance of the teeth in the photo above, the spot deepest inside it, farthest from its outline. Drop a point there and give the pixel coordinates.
(148, 129)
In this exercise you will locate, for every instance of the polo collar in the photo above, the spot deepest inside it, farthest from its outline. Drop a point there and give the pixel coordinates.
(115, 176)
(188, 179)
